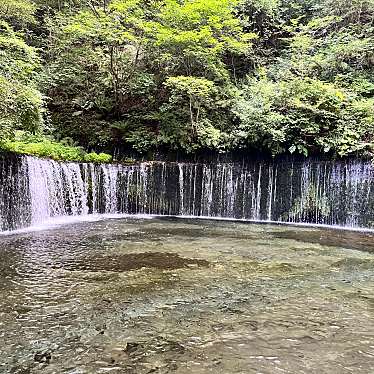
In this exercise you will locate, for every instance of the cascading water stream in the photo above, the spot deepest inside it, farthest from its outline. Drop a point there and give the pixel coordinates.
(33, 191)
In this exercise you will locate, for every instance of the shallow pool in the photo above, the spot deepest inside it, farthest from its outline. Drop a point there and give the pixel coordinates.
(186, 296)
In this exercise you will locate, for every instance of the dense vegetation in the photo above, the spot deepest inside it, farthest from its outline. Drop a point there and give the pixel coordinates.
(276, 76)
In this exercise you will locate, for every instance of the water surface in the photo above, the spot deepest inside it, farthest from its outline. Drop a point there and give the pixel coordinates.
(186, 296)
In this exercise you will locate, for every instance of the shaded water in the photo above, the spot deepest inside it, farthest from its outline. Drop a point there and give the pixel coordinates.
(186, 296)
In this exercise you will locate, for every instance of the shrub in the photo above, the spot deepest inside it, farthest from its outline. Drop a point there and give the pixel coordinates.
(101, 158)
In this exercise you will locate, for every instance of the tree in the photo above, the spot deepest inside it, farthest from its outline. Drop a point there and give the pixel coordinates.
(198, 37)
(21, 104)
(317, 95)
(273, 75)
(109, 61)
(18, 13)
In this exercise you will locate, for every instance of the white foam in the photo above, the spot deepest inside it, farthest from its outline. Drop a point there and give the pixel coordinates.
(56, 222)
(72, 220)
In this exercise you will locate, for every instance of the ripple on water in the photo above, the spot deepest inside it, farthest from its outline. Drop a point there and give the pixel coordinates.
(161, 296)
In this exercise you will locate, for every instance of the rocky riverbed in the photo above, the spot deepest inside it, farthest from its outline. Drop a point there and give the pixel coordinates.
(186, 296)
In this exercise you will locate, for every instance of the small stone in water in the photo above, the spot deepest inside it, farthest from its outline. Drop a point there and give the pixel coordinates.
(43, 357)
(131, 347)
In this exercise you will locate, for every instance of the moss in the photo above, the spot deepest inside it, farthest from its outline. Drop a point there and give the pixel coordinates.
(309, 204)
(99, 158)
(44, 147)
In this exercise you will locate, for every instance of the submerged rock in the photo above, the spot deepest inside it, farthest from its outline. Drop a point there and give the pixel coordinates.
(43, 357)
(131, 347)
(352, 263)
(20, 370)
(362, 241)
(135, 261)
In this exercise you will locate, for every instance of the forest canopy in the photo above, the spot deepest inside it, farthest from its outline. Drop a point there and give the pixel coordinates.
(271, 76)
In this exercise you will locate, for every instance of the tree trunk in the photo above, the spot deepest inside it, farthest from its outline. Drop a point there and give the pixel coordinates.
(115, 82)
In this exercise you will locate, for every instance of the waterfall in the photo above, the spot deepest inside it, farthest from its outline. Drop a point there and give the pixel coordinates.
(181, 189)
(34, 191)
(14, 193)
(56, 189)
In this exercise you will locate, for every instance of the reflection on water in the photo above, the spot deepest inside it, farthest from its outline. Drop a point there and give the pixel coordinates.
(186, 296)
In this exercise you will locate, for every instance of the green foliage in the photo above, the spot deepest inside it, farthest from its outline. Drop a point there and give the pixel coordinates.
(140, 138)
(270, 75)
(18, 12)
(41, 146)
(21, 104)
(305, 116)
(317, 97)
(192, 101)
(119, 63)
(192, 37)
(45, 148)
(194, 94)
(101, 158)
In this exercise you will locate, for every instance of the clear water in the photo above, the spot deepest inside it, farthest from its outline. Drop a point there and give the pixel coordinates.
(186, 296)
